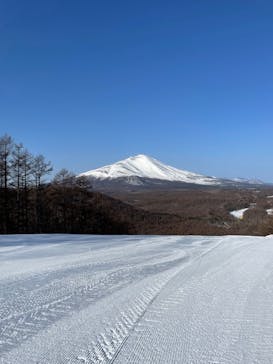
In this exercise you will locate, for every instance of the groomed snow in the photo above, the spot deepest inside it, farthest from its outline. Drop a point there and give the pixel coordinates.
(148, 167)
(142, 300)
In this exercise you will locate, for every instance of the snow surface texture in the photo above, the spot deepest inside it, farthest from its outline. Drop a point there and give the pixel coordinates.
(147, 167)
(142, 300)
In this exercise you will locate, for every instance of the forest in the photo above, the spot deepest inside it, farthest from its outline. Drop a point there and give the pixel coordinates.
(31, 203)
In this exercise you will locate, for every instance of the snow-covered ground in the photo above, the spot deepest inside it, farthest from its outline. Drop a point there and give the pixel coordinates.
(95, 299)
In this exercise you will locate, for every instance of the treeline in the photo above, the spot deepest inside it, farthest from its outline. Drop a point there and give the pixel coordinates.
(30, 203)
(21, 179)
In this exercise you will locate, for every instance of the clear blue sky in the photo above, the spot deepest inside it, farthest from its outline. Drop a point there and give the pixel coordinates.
(87, 82)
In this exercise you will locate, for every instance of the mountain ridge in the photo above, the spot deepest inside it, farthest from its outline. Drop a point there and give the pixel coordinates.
(141, 171)
(147, 167)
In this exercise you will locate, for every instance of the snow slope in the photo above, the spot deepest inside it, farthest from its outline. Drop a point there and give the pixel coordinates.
(147, 167)
(102, 299)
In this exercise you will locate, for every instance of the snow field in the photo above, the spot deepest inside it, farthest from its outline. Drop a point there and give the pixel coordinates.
(125, 299)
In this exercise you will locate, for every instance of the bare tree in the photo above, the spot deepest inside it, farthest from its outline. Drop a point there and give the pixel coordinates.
(40, 168)
(27, 171)
(16, 179)
(65, 178)
(26, 183)
(6, 145)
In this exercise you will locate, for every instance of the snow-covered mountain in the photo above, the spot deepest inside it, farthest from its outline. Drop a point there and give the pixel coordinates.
(139, 167)
(253, 181)
(144, 171)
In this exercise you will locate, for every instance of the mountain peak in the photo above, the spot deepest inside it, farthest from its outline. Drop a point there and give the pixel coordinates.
(139, 156)
(144, 166)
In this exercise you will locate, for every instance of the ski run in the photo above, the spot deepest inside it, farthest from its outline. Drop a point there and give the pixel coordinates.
(135, 299)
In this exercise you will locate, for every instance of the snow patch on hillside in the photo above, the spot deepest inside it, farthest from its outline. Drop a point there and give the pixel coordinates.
(239, 214)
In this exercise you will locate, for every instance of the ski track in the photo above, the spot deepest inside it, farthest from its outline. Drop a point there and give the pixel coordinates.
(125, 299)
